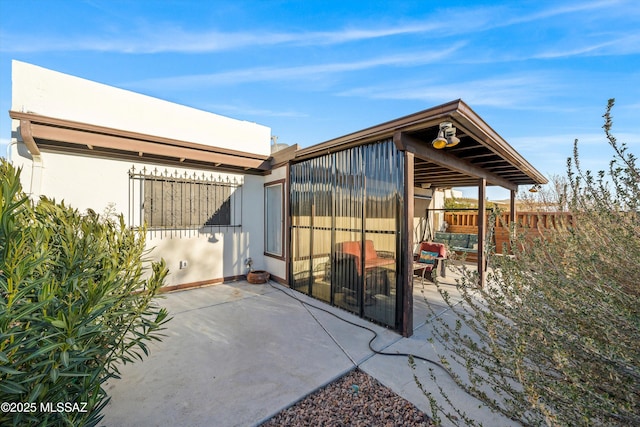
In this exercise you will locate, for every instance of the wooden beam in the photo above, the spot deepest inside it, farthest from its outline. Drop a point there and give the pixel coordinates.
(512, 209)
(287, 225)
(406, 253)
(441, 175)
(479, 156)
(482, 220)
(488, 162)
(426, 152)
(86, 127)
(501, 167)
(283, 156)
(397, 140)
(74, 136)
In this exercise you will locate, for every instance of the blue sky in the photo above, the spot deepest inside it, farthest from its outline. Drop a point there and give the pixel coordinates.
(539, 72)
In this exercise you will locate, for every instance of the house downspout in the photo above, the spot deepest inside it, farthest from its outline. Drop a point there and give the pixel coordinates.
(36, 159)
(36, 177)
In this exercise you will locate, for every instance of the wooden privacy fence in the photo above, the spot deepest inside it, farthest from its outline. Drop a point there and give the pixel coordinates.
(533, 224)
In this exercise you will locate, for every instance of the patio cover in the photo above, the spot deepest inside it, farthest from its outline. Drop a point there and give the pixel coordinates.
(481, 158)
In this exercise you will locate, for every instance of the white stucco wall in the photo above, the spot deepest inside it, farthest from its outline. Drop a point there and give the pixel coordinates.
(436, 214)
(214, 253)
(50, 93)
(89, 181)
(220, 253)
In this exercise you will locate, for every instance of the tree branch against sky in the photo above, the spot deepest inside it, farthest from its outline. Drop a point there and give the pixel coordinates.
(552, 337)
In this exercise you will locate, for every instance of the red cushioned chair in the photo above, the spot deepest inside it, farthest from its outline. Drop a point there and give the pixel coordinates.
(427, 258)
(371, 258)
(348, 267)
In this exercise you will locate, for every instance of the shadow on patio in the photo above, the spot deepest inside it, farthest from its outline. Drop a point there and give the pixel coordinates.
(236, 354)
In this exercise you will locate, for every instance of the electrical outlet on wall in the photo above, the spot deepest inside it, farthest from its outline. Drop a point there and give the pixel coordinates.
(183, 264)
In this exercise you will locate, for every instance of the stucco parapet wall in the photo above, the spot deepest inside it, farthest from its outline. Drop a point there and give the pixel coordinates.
(49, 133)
(53, 94)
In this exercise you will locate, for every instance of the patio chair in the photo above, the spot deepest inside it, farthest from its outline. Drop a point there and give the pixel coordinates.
(347, 271)
(428, 257)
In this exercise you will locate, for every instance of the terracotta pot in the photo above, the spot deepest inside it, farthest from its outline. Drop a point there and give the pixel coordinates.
(258, 276)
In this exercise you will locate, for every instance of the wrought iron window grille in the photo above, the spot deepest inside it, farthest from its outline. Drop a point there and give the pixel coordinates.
(180, 203)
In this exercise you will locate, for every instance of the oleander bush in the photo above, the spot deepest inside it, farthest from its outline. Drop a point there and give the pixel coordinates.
(554, 336)
(75, 304)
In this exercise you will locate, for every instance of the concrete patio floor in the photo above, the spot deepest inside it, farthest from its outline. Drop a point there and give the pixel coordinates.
(236, 354)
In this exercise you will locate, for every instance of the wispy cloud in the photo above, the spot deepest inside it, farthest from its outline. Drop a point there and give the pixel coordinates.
(629, 107)
(143, 41)
(475, 20)
(552, 151)
(164, 37)
(617, 41)
(249, 111)
(148, 38)
(625, 45)
(547, 143)
(563, 10)
(160, 38)
(501, 91)
(543, 142)
(260, 74)
(359, 34)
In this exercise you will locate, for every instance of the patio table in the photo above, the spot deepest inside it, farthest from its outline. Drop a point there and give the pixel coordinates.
(420, 267)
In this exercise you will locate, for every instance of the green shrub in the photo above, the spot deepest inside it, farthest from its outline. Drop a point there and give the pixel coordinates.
(75, 303)
(553, 338)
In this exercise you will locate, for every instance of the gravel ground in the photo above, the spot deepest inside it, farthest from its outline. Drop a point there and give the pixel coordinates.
(356, 399)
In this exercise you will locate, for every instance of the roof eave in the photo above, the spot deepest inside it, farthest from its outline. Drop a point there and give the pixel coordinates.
(456, 111)
(384, 130)
(85, 137)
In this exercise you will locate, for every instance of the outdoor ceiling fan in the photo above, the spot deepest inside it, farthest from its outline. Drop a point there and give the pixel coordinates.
(446, 137)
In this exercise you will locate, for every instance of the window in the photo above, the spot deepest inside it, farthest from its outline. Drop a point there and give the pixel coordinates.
(186, 202)
(273, 219)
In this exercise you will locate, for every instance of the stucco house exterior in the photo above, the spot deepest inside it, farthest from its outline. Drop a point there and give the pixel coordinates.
(339, 220)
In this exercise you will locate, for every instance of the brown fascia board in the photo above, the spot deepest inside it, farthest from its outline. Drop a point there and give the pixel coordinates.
(471, 123)
(422, 119)
(88, 135)
(283, 156)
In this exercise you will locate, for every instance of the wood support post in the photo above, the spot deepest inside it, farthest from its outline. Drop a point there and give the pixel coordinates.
(512, 212)
(406, 254)
(482, 221)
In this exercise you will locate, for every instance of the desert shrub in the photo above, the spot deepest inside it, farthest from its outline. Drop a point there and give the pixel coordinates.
(75, 303)
(552, 339)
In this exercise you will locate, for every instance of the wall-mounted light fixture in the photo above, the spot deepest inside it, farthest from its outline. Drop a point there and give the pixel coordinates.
(535, 188)
(446, 136)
